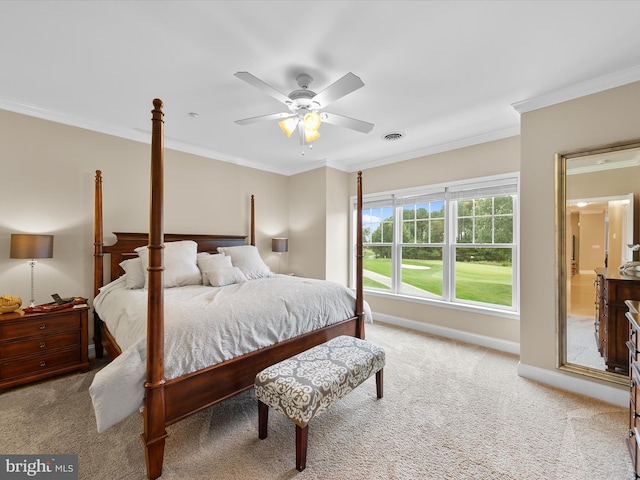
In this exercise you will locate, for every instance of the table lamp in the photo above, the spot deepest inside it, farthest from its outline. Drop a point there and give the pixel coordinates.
(30, 246)
(280, 246)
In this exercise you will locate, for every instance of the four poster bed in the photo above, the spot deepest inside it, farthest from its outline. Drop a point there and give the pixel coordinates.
(170, 395)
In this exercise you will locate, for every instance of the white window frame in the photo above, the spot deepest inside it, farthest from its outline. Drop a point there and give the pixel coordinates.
(472, 188)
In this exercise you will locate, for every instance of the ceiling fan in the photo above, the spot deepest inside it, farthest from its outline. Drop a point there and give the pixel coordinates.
(306, 108)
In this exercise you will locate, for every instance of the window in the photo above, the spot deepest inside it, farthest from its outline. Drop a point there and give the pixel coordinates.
(377, 234)
(449, 243)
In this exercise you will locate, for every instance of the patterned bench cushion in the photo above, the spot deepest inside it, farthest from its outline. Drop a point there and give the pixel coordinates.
(304, 386)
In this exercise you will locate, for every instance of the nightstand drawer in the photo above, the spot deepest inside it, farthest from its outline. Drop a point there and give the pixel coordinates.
(39, 344)
(30, 365)
(39, 326)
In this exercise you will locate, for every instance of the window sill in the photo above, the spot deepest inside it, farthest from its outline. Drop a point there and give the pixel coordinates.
(513, 315)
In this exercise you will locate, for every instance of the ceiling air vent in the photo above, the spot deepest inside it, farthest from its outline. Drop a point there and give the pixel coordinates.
(392, 136)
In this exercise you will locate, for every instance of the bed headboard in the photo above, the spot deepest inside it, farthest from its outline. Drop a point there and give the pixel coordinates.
(126, 243)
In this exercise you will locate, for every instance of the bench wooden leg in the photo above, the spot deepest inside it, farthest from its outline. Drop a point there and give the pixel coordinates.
(379, 381)
(263, 419)
(302, 436)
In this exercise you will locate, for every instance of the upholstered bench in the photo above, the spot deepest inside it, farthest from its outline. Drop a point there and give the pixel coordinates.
(304, 386)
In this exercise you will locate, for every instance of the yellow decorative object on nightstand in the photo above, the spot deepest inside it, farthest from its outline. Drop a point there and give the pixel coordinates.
(9, 303)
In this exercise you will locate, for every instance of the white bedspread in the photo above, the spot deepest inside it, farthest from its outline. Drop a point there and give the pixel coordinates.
(205, 325)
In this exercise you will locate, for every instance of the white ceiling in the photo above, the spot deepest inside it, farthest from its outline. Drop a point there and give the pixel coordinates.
(444, 73)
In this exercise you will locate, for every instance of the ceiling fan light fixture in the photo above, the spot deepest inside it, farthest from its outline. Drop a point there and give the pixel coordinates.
(312, 121)
(311, 135)
(305, 106)
(288, 125)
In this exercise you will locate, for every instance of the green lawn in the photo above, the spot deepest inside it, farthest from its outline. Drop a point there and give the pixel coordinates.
(485, 283)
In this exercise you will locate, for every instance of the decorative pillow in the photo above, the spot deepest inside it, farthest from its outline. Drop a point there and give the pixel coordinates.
(134, 272)
(207, 262)
(180, 267)
(225, 276)
(247, 258)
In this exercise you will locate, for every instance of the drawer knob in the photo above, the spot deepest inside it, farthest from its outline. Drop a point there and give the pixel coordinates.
(42, 344)
(43, 363)
(42, 326)
(632, 384)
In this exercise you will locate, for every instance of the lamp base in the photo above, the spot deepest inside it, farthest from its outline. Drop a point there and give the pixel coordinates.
(32, 303)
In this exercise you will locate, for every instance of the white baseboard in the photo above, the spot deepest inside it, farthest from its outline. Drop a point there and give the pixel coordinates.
(473, 338)
(554, 378)
(616, 395)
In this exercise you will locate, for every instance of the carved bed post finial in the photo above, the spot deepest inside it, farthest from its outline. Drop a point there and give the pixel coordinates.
(98, 237)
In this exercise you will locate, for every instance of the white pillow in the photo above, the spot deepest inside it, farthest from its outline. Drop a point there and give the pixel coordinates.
(134, 272)
(225, 276)
(247, 258)
(180, 267)
(207, 262)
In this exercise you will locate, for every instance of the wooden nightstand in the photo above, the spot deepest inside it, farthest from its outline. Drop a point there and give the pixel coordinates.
(41, 345)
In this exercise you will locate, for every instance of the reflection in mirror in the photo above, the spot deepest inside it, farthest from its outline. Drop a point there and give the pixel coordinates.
(597, 191)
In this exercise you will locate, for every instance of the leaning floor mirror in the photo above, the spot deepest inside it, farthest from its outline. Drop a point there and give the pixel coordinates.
(597, 192)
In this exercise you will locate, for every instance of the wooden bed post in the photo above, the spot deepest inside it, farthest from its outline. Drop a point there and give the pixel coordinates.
(98, 260)
(359, 290)
(253, 221)
(154, 409)
(98, 237)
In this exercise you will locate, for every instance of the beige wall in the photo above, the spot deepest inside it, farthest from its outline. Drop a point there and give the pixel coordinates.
(319, 224)
(605, 117)
(307, 225)
(337, 227)
(605, 183)
(492, 158)
(615, 241)
(47, 172)
(592, 241)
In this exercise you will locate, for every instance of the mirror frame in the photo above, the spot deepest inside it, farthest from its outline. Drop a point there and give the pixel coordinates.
(561, 270)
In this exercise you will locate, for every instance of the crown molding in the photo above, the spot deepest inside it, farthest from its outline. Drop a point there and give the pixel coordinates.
(605, 82)
(500, 134)
(144, 136)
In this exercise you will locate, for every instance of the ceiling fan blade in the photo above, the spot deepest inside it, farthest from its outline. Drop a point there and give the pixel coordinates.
(338, 89)
(342, 121)
(265, 118)
(259, 84)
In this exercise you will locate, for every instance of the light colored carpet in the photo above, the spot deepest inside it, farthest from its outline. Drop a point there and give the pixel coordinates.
(450, 411)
